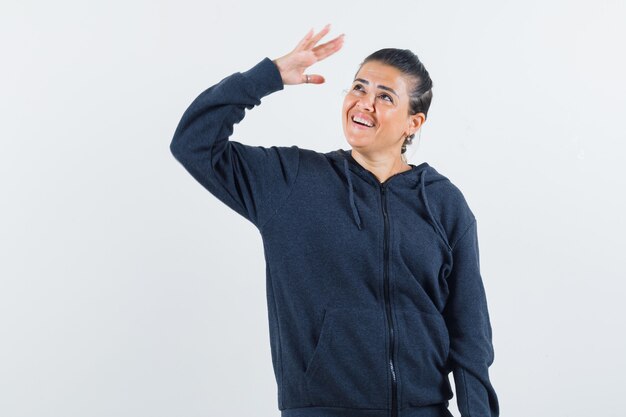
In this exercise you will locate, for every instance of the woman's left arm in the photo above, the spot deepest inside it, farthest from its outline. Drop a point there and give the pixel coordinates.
(467, 319)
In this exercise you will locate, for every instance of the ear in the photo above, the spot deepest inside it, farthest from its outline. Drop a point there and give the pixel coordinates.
(415, 122)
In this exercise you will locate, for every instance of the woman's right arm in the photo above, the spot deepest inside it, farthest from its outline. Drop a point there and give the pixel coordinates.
(252, 180)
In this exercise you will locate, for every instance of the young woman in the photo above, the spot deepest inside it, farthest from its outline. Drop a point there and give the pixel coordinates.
(374, 289)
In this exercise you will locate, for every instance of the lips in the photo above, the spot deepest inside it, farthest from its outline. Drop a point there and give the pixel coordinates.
(362, 120)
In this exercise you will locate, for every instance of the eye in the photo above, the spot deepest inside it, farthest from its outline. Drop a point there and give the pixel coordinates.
(358, 87)
(387, 97)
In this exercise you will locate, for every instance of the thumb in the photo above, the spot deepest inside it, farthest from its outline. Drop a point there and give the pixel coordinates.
(314, 79)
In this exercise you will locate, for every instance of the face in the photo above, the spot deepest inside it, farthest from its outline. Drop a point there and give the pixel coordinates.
(379, 97)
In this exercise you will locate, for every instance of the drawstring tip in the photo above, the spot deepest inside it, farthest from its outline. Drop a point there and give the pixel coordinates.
(355, 215)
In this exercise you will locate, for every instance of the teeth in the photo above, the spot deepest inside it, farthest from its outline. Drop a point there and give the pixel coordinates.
(362, 121)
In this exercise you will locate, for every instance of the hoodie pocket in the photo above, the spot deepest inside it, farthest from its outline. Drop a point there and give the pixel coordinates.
(422, 359)
(348, 366)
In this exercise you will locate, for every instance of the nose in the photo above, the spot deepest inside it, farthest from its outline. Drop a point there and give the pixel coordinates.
(366, 102)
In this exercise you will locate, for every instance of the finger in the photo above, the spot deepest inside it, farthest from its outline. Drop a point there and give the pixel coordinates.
(314, 79)
(311, 43)
(329, 48)
(305, 39)
(331, 43)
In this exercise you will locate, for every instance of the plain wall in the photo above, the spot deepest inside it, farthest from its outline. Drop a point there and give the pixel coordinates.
(126, 289)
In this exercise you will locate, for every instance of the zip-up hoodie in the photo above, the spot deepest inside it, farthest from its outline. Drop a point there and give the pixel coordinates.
(374, 290)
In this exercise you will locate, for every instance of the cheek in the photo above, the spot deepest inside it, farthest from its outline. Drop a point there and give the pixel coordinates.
(349, 101)
(391, 120)
(345, 108)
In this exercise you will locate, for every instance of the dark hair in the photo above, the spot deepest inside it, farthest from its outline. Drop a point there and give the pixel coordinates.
(421, 94)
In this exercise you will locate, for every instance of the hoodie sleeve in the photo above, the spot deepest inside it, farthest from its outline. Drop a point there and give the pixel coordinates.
(467, 319)
(252, 180)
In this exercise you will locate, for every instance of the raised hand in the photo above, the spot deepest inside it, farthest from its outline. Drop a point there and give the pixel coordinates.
(305, 54)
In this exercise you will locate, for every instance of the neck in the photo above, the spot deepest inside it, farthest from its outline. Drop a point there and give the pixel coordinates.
(382, 166)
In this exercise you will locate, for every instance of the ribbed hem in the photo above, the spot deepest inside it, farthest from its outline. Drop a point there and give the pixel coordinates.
(439, 410)
(264, 77)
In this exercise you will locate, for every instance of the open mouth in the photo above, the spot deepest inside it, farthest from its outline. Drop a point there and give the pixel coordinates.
(361, 122)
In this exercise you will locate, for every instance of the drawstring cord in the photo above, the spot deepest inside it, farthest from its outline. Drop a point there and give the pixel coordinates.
(355, 213)
(422, 188)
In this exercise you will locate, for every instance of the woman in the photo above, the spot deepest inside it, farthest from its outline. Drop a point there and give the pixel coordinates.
(373, 284)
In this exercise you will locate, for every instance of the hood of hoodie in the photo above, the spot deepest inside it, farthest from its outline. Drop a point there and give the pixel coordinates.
(418, 177)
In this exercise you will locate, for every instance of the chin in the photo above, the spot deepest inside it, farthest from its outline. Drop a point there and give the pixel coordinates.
(352, 141)
(358, 142)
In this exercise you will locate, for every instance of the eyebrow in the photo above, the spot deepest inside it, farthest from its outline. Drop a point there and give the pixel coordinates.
(382, 87)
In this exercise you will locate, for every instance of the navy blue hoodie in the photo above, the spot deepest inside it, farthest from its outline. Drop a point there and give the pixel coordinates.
(374, 290)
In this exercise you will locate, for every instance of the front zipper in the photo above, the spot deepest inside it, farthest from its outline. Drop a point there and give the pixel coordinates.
(394, 403)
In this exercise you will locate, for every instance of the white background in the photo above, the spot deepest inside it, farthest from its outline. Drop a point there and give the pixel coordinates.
(126, 289)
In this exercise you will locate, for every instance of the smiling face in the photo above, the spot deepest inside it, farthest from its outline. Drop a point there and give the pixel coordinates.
(378, 97)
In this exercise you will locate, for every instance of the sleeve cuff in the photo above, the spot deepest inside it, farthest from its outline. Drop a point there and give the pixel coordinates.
(264, 77)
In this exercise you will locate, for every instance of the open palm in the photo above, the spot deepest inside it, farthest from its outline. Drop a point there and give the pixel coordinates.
(293, 65)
